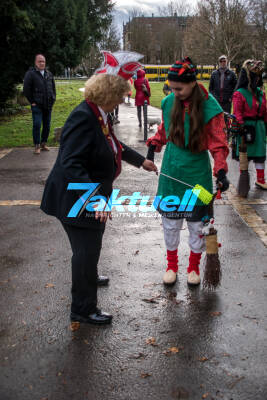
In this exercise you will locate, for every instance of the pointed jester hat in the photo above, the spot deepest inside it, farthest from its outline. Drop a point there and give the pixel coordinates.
(121, 63)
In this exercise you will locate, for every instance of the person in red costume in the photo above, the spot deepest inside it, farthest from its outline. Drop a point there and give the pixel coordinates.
(142, 93)
(192, 124)
(249, 103)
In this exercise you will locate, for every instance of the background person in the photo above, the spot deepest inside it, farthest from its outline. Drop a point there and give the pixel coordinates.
(192, 124)
(142, 93)
(166, 88)
(89, 152)
(249, 103)
(40, 90)
(222, 84)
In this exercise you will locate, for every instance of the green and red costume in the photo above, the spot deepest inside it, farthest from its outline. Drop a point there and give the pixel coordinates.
(181, 163)
(250, 109)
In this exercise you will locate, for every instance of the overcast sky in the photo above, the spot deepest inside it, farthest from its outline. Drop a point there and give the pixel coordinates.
(122, 8)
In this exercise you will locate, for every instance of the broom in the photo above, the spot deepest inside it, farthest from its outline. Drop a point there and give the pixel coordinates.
(212, 269)
(243, 183)
(203, 194)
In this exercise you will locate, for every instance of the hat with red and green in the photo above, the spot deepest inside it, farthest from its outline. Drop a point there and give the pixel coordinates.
(183, 71)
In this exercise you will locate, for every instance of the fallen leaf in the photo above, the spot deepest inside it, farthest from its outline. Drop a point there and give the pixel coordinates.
(247, 316)
(235, 382)
(203, 359)
(151, 341)
(215, 313)
(145, 375)
(205, 395)
(136, 253)
(171, 350)
(174, 349)
(74, 326)
(86, 341)
(138, 356)
(59, 373)
(49, 285)
(239, 304)
(151, 300)
(146, 285)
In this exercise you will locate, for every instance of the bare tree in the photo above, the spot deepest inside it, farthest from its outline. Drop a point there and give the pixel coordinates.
(176, 8)
(257, 18)
(220, 27)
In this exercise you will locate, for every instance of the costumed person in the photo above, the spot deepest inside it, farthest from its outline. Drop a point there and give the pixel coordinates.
(249, 103)
(166, 88)
(90, 153)
(142, 94)
(130, 93)
(192, 124)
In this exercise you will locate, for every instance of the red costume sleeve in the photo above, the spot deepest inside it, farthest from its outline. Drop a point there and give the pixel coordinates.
(239, 107)
(217, 142)
(159, 139)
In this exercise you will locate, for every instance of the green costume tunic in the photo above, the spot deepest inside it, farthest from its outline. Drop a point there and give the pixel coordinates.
(258, 148)
(182, 164)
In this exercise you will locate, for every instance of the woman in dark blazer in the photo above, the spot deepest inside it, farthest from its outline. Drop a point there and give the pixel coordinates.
(89, 153)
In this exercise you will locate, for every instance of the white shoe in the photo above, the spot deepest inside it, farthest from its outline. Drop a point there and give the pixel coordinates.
(261, 185)
(193, 278)
(169, 278)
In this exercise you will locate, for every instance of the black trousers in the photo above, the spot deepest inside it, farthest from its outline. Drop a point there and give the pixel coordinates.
(226, 107)
(86, 245)
(139, 114)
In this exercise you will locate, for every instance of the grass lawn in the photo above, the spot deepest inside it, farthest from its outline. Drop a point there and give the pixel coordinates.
(17, 130)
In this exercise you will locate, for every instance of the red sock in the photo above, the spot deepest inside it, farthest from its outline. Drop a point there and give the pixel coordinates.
(172, 259)
(194, 260)
(260, 175)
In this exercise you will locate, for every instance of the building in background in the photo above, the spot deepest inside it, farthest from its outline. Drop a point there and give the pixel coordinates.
(160, 39)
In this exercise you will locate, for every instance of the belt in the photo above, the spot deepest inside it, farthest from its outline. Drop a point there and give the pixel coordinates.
(253, 119)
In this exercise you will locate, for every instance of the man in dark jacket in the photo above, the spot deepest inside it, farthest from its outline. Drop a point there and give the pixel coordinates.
(222, 84)
(40, 90)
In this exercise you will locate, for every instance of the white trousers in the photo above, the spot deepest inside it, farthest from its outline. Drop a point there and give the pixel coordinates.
(259, 165)
(172, 229)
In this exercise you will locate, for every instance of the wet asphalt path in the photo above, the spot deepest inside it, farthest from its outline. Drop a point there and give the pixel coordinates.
(164, 343)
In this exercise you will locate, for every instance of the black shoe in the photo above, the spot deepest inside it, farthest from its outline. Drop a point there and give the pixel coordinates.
(102, 280)
(96, 318)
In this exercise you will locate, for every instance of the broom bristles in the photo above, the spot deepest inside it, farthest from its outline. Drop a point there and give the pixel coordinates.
(243, 184)
(213, 272)
(203, 194)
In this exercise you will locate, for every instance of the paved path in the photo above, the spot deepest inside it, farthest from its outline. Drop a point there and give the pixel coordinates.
(164, 343)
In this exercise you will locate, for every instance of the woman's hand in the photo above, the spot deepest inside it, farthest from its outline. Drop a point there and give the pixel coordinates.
(103, 215)
(148, 165)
